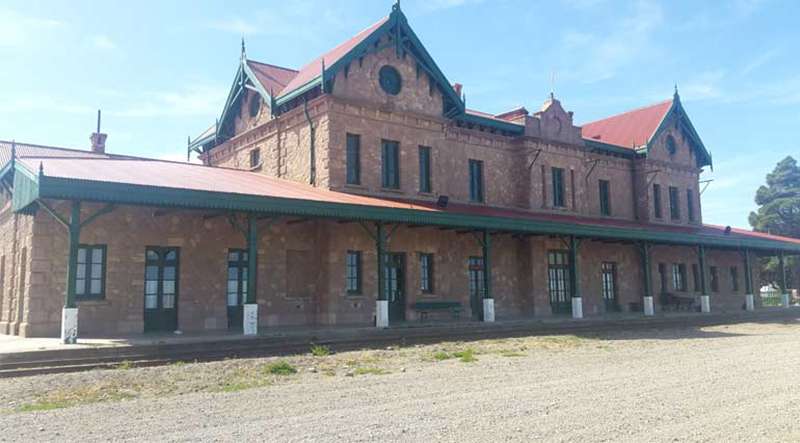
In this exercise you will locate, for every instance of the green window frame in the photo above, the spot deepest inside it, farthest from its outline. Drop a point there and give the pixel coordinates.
(425, 169)
(714, 278)
(353, 272)
(734, 278)
(657, 211)
(690, 205)
(476, 193)
(605, 197)
(426, 273)
(353, 159)
(390, 159)
(662, 277)
(674, 204)
(609, 278)
(558, 187)
(237, 277)
(90, 278)
(255, 157)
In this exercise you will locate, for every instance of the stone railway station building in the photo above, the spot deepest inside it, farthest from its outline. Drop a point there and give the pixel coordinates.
(310, 175)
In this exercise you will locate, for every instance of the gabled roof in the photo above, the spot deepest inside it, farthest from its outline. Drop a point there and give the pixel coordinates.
(273, 78)
(631, 129)
(73, 174)
(636, 129)
(313, 70)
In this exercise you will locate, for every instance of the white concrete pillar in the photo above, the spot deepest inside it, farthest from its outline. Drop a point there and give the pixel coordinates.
(69, 326)
(749, 302)
(785, 298)
(577, 307)
(382, 313)
(649, 306)
(250, 319)
(705, 303)
(488, 310)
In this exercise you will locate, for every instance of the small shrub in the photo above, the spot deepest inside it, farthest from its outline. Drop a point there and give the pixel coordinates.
(441, 355)
(320, 351)
(466, 356)
(369, 371)
(281, 368)
(127, 364)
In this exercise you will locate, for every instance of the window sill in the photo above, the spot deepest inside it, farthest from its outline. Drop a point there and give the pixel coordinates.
(93, 302)
(354, 186)
(392, 190)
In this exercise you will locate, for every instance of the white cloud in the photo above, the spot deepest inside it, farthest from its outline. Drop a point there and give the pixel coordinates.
(439, 5)
(760, 60)
(17, 30)
(236, 26)
(42, 103)
(103, 42)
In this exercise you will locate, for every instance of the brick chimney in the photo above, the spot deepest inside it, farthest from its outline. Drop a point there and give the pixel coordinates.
(98, 138)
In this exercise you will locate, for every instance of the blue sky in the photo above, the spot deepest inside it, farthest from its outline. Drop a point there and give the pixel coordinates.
(161, 70)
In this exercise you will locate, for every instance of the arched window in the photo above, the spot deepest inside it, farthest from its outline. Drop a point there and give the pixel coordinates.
(672, 147)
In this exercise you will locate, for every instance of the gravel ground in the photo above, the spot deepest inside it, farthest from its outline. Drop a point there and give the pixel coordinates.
(724, 383)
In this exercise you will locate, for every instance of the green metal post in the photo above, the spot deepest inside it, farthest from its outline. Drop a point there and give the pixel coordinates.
(645, 250)
(252, 258)
(701, 258)
(74, 241)
(782, 275)
(487, 268)
(748, 275)
(380, 244)
(573, 265)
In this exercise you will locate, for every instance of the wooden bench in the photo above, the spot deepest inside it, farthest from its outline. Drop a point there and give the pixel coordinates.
(677, 302)
(426, 307)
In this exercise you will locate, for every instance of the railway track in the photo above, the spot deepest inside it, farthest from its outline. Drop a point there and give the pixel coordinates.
(65, 360)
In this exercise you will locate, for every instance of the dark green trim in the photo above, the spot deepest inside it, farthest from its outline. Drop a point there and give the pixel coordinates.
(782, 272)
(677, 110)
(644, 250)
(512, 128)
(701, 258)
(486, 249)
(600, 146)
(74, 243)
(120, 193)
(87, 294)
(748, 275)
(252, 258)
(380, 250)
(574, 269)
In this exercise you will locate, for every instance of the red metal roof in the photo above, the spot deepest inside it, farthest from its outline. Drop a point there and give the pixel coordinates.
(630, 129)
(273, 78)
(86, 165)
(314, 69)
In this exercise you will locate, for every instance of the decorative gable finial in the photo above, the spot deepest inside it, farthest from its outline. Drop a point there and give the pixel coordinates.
(13, 150)
(41, 169)
(244, 52)
(675, 95)
(396, 6)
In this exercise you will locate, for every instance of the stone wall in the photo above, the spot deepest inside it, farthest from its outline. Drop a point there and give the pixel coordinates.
(16, 240)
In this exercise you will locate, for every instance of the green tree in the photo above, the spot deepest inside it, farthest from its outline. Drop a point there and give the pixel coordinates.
(779, 212)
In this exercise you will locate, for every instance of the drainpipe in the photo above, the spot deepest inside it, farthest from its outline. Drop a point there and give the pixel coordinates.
(312, 135)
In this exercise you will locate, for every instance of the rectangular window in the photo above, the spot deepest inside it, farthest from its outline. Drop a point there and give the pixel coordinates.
(696, 277)
(558, 187)
(735, 279)
(679, 277)
(674, 201)
(255, 158)
(426, 273)
(690, 205)
(657, 201)
(609, 274)
(390, 156)
(90, 279)
(425, 169)
(237, 277)
(714, 278)
(353, 272)
(353, 159)
(662, 276)
(476, 180)
(605, 197)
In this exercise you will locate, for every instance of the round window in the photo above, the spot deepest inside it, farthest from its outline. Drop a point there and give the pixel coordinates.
(390, 80)
(255, 105)
(671, 147)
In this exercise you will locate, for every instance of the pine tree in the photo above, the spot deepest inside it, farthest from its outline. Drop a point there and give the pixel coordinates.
(779, 212)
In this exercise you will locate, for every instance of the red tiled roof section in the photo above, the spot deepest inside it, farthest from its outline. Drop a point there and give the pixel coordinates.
(314, 69)
(630, 129)
(273, 78)
(31, 150)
